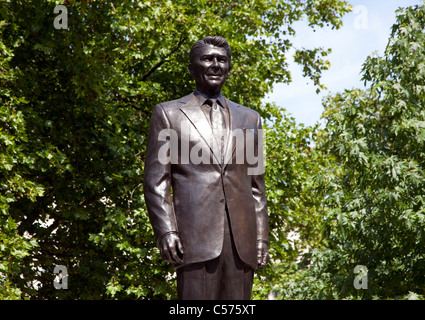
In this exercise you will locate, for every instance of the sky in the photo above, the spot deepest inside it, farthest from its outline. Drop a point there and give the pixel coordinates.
(365, 31)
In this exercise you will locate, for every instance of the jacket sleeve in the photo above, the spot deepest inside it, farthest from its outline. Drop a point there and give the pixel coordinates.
(157, 177)
(259, 192)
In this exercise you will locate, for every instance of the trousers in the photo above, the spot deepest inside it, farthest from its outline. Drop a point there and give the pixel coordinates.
(223, 278)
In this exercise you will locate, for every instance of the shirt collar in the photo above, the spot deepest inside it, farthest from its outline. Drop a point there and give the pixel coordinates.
(202, 98)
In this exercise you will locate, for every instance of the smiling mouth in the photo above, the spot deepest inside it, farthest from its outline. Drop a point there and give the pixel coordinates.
(214, 76)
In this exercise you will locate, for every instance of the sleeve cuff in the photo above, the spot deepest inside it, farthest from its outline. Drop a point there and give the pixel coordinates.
(163, 235)
(263, 241)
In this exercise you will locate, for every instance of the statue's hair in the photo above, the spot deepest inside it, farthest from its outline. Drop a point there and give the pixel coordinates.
(214, 41)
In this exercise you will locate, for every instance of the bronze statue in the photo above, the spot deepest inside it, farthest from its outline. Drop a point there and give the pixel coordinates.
(208, 212)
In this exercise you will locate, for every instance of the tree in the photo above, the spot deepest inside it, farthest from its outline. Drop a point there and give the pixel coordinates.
(295, 203)
(375, 194)
(75, 108)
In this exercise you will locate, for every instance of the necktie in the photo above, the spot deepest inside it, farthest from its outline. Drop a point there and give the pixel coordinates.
(218, 125)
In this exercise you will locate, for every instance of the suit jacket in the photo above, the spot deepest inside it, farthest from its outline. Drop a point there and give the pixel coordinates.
(188, 196)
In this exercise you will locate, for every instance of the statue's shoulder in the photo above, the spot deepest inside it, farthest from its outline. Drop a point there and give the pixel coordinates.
(176, 103)
(241, 108)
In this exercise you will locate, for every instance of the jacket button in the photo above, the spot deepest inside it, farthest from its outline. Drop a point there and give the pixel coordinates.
(221, 200)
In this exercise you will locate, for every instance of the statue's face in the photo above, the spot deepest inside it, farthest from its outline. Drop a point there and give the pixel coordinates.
(210, 69)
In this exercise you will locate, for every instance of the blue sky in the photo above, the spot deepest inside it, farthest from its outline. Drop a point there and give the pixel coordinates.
(365, 30)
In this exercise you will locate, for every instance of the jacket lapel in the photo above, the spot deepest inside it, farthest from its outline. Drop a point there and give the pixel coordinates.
(197, 117)
(236, 123)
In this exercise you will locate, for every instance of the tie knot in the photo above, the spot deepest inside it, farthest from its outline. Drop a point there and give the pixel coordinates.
(212, 103)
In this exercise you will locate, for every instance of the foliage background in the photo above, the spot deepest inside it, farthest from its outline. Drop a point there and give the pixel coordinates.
(74, 114)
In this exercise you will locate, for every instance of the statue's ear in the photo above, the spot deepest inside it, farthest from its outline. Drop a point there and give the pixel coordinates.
(191, 70)
(228, 71)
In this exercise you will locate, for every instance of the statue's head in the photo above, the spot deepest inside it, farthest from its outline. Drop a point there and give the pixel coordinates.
(210, 64)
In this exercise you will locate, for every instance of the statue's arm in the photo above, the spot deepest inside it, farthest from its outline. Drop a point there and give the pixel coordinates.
(259, 195)
(157, 188)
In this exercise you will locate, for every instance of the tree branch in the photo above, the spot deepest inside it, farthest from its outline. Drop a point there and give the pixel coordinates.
(160, 63)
